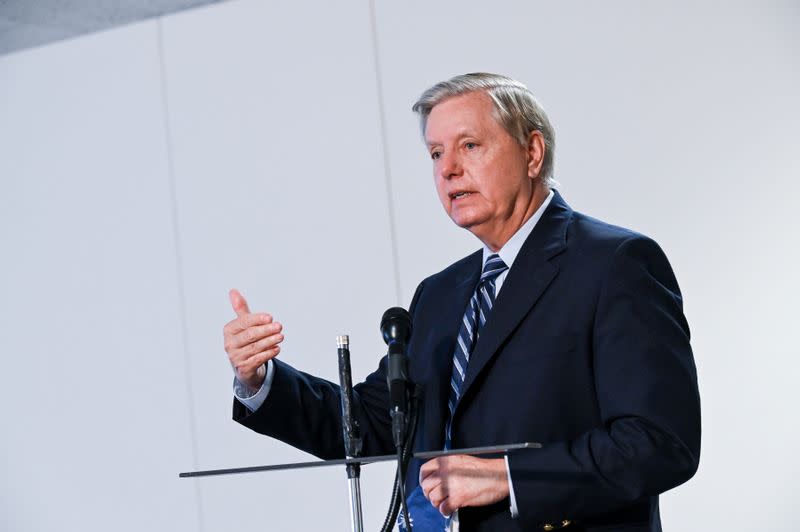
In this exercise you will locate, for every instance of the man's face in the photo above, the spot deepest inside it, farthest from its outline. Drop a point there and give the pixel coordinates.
(483, 176)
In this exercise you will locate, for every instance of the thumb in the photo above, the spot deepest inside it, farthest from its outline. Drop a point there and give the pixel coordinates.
(238, 302)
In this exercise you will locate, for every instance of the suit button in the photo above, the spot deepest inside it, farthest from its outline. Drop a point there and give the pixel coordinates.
(548, 527)
(565, 523)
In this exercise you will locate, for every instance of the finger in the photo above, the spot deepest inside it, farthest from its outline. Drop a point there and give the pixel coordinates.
(249, 350)
(437, 495)
(254, 334)
(262, 345)
(238, 302)
(428, 468)
(446, 507)
(259, 359)
(429, 484)
(248, 320)
(249, 366)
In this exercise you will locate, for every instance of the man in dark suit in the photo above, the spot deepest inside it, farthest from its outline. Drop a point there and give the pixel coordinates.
(562, 330)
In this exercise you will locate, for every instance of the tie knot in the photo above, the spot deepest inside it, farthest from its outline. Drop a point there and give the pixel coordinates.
(494, 266)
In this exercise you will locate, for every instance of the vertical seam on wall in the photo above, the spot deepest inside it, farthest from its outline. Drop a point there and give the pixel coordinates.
(173, 189)
(384, 142)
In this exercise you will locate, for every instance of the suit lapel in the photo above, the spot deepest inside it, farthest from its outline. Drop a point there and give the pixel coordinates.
(450, 311)
(530, 275)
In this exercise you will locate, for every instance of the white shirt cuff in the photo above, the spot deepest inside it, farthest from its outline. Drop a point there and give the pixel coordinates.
(253, 401)
(514, 509)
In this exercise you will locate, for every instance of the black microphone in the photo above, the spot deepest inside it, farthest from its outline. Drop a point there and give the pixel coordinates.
(396, 330)
(350, 428)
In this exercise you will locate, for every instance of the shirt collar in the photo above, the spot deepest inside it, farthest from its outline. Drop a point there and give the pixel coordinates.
(511, 248)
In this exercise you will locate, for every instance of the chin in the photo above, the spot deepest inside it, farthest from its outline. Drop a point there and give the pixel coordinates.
(465, 222)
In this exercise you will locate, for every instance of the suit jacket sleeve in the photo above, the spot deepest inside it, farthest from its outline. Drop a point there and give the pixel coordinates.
(646, 386)
(304, 411)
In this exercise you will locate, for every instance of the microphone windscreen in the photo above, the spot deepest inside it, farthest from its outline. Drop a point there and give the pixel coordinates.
(396, 325)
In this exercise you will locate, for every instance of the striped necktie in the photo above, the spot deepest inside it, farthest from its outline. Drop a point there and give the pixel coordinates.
(423, 516)
(477, 312)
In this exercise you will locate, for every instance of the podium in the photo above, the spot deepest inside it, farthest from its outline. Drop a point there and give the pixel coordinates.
(355, 496)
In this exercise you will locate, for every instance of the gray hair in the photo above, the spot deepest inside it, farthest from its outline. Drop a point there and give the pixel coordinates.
(515, 107)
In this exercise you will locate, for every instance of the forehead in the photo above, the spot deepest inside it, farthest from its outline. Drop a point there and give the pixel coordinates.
(470, 113)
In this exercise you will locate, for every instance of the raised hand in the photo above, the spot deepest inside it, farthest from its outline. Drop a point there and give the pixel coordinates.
(251, 339)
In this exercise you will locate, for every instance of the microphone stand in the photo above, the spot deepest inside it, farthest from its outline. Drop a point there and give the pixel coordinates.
(398, 489)
(351, 433)
(396, 331)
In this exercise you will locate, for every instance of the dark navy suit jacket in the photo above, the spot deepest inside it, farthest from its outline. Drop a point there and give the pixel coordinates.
(586, 351)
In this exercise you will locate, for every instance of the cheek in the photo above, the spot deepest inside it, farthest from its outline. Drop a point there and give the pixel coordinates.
(493, 183)
(443, 198)
(512, 179)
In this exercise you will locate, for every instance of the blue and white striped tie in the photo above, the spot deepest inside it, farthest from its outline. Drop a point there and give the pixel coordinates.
(423, 516)
(475, 316)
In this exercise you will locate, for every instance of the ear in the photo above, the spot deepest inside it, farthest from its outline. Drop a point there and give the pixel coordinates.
(535, 149)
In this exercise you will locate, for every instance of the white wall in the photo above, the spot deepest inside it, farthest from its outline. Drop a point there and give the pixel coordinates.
(146, 170)
(93, 394)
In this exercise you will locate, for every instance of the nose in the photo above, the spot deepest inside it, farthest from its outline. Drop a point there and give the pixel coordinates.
(449, 165)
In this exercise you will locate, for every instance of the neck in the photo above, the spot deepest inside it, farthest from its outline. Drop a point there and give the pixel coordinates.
(495, 240)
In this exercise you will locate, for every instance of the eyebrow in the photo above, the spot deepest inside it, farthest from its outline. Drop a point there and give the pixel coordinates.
(461, 134)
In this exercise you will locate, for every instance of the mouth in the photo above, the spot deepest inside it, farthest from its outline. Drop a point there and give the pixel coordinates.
(459, 195)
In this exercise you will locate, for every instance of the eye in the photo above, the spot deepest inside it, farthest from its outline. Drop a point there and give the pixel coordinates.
(435, 154)
(470, 145)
